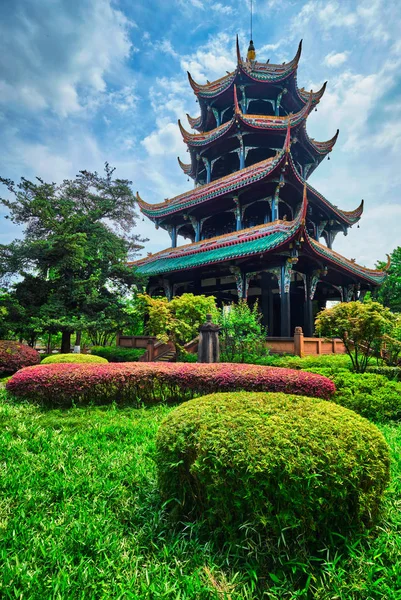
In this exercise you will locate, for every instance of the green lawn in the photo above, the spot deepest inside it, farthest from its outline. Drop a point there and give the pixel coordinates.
(80, 517)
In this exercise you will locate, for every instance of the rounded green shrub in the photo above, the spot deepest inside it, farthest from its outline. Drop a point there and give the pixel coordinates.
(73, 358)
(278, 465)
(15, 356)
(117, 354)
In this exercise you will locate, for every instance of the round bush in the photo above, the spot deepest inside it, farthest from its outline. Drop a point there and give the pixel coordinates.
(73, 358)
(275, 464)
(15, 356)
(136, 383)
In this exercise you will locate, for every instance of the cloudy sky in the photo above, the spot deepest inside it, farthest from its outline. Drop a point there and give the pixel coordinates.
(88, 81)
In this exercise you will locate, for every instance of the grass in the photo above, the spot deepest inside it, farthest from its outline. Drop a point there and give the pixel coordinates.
(80, 517)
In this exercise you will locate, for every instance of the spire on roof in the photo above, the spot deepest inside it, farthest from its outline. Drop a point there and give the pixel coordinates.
(251, 56)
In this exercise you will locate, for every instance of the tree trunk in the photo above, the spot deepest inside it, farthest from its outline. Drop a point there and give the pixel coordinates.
(66, 342)
(77, 345)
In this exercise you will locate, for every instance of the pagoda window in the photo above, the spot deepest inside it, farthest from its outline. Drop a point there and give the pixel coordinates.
(255, 155)
(261, 106)
(229, 163)
(285, 211)
(219, 225)
(257, 214)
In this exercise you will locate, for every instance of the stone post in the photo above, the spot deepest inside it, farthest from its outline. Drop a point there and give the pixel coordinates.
(209, 343)
(298, 342)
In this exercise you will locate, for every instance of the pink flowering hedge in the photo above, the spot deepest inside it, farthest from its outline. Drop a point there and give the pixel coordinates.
(14, 356)
(148, 383)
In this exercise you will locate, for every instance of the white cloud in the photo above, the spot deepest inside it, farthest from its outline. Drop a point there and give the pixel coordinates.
(336, 59)
(61, 52)
(213, 59)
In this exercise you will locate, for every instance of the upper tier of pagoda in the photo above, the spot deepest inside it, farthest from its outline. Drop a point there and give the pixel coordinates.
(258, 134)
(251, 158)
(257, 82)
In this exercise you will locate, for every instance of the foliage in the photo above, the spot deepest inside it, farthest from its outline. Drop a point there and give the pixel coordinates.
(359, 325)
(178, 320)
(370, 395)
(187, 357)
(14, 356)
(116, 354)
(72, 358)
(234, 459)
(389, 293)
(392, 373)
(242, 333)
(391, 350)
(73, 256)
(147, 383)
(91, 468)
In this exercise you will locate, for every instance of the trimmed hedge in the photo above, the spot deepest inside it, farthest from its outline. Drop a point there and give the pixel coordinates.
(72, 358)
(136, 383)
(15, 356)
(117, 354)
(288, 468)
(392, 373)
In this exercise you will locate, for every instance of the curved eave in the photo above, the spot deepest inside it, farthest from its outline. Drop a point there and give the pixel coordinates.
(228, 184)
(195, 123)
(303, 95)
(347, 218)
(203, 139)
(213, 89)
(370, 275)
(320, 148)
(247, 242)
(187, 168)
(261, 122)
(270, 72)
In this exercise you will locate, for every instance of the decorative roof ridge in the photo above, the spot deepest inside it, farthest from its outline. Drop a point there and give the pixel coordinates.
(255, 121)
(235, 237)
(197, 87)
(354, 265)
(317, 96)
(357, 212)
(199, 137)
(187, 168)
(252, 68)
(350, 218)
(321, 147)
(194, 122)
(202, 188)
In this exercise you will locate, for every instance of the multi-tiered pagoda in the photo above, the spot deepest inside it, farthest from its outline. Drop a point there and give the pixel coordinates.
(253, 220)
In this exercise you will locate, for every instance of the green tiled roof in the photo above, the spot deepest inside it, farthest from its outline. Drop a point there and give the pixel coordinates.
(162, 265)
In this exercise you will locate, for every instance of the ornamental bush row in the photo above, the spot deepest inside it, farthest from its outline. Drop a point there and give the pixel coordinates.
(285, 468)
(118, 354)
(136, 383)
(14, 356)
(73, 358)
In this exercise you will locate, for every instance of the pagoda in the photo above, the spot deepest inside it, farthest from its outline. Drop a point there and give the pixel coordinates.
(257, 229)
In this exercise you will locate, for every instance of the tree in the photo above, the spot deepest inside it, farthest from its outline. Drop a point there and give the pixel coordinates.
(242, 333)
(178, 320)
(359, 325)
(77, 239)
(389, 292)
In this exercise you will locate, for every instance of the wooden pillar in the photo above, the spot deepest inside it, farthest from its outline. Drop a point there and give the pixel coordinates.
(308, 311)
(285, 317)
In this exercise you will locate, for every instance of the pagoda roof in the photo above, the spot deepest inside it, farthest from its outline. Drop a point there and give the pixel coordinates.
(230, 183)
(346, 217)
(371, 275)
(260, 122)
(252, 241)
(247, 242)
(186, 167)
(256, 71)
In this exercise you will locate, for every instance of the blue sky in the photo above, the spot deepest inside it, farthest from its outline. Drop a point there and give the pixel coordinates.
(88, 81)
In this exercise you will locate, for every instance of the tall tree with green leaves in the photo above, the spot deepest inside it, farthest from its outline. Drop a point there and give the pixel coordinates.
(77, 239)
(389, 293)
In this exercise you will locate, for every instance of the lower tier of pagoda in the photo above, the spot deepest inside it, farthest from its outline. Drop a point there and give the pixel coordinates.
(278, 264)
